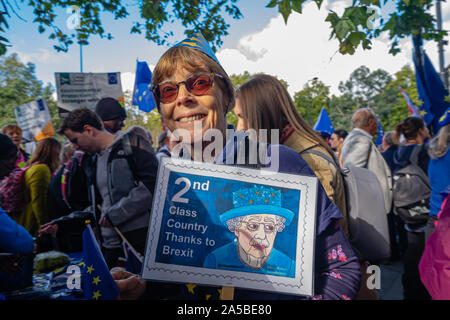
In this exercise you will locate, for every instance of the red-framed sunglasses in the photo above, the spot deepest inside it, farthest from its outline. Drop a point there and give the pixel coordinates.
(198, 85)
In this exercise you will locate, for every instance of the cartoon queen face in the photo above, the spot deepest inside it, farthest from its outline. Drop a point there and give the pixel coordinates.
(256, 219)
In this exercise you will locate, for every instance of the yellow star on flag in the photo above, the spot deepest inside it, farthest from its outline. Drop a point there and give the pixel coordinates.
(82, 264)
(96, 295)
(193, 44)
(220, 293)
(90, 269)
(208, 296)
(96, 280)
(191, 287)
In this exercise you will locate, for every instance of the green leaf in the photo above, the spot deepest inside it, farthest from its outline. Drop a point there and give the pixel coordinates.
(356, 37)
(2, 49)
(333, 18)
(284, 8)
(319, 3)
(297, 5)
(366, 44)
(343, 27)
(346, 48)
(272, 4)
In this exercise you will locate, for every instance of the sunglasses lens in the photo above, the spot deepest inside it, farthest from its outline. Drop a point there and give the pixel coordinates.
(167, 92)
(199, 85)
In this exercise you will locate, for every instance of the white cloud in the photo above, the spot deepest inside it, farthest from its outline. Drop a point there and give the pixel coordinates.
(42, 56)
(301, 50)
(127, 79)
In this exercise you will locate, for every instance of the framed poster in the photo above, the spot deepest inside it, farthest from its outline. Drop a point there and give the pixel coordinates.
(83, 90)
(231, 226)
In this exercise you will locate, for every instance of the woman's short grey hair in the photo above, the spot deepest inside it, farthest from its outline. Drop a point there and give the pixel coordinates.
(391, 138)
(440, 144)
(235, 223)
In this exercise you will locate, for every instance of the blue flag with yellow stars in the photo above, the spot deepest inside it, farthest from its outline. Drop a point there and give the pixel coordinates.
(380, 134)
(98, 283)
(324, 124)
(430, 87)
(197, 41)
(142, 96)
(134, 259)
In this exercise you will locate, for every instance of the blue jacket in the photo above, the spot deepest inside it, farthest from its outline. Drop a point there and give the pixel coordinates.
(439, 175)
(13, 237)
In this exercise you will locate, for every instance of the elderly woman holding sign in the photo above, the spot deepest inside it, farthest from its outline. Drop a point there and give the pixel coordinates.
(193, 94)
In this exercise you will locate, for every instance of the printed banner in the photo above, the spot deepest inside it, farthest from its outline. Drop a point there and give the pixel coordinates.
(35, 121)
(84, 90)
(230, 226)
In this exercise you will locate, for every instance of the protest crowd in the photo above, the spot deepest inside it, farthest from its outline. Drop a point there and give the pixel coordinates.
(374, 203)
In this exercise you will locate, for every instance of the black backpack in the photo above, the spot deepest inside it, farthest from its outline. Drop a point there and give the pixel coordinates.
(412, 191)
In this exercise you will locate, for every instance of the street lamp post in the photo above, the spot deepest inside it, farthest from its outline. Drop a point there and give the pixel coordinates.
(309, 101)
(442, 69)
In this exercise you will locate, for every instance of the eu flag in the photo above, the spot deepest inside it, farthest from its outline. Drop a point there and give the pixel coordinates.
(430, 87)
(380, 134)
(98, 283)
(142, 96)
(324, 124)
(134, 259)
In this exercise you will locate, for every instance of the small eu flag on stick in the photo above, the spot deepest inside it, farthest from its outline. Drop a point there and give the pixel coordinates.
(98, 283)
(142, 95)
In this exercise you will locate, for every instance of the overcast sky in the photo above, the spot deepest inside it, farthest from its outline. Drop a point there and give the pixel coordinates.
(260, 42)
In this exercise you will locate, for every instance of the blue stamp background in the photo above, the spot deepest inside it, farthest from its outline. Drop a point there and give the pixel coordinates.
(209, 205)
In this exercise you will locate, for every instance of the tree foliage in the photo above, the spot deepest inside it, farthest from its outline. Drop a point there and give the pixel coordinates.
(206, 16)
(19, 85)
(364, 88)
(310, 100)
(357, 26)
(148, 120)
(360, 22)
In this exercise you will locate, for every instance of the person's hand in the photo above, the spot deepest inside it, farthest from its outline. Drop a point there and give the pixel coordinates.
(131, 286)
(103, 222)
(48, 228)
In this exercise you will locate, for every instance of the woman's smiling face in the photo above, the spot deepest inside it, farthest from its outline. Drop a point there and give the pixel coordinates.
(189, 110)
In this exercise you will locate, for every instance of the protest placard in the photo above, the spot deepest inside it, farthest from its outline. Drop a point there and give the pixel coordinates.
(231, 226)
(35, 121)
(83, 90)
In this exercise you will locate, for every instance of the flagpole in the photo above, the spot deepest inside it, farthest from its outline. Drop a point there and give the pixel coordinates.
(441, 43)
(81, 58)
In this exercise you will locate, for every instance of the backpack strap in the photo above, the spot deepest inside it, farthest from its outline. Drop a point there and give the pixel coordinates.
(414, 157)
(320, 154)
(128, 152)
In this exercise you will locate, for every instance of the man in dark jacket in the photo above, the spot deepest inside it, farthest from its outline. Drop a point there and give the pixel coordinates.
(122, 173)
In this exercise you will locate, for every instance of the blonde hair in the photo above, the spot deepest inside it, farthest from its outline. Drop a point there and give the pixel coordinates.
(193, 60)
(439, 145)
(47, 152)
(266, 104)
